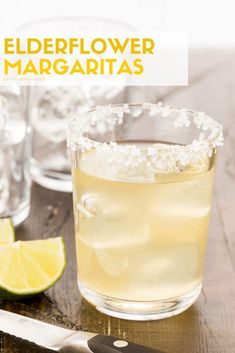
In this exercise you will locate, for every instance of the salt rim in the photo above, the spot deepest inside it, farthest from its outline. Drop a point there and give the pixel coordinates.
(155, 159)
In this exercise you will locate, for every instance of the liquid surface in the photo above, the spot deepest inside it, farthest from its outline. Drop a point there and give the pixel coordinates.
(141, 241)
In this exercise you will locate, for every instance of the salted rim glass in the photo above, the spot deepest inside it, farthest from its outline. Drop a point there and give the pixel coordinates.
(199, 135)
(142, 179)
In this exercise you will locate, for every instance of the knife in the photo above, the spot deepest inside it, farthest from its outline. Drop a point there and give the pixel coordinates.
(64, 340)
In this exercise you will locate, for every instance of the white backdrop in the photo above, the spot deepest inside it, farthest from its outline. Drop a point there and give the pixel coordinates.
(210, 22)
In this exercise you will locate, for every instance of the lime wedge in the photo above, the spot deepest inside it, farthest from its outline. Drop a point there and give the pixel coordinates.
(30, 267)
(7, 233)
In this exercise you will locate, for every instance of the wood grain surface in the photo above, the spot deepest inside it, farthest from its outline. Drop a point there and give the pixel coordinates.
(209, 325)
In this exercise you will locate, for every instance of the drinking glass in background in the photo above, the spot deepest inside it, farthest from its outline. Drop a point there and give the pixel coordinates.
(50, 107)
(15, 153)
(143, 177)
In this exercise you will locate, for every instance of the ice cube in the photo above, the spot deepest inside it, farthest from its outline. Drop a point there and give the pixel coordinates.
(113, 263)
(105, 224)
(55, 105)
(90, 205)
(176, 211)
(49, 125)
(166, 264)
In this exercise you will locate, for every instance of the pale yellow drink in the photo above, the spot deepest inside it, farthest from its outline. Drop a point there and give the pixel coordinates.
(140, 239)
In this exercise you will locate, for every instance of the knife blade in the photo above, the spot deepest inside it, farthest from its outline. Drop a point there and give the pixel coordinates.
(64, 340)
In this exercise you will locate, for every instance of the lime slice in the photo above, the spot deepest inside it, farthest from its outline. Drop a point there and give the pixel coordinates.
(7, 233)
(30, 267)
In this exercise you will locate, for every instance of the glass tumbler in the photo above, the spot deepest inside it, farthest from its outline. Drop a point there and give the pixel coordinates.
(15, 150)
(51, 106)
(142, 187)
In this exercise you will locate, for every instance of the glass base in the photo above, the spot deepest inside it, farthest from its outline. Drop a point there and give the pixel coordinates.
(20, 216)
(57, 181)
(141, 311)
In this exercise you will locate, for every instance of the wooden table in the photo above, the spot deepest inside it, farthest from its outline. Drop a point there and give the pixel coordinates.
(209, 325)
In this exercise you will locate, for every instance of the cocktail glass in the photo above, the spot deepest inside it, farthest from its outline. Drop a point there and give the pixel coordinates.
(142, 187)
(51, 106)
(15, 150)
